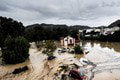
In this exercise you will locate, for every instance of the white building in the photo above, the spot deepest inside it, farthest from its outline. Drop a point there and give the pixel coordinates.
(89, 30)
(97, 30)
(67, 41)
(107, 31)
(80, 31)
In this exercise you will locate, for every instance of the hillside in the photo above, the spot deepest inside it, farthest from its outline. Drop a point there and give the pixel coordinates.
(74, 27)
(116, 23)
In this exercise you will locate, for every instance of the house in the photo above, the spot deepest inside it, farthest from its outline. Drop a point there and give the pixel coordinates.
(90, 33)
(89, 30)
(67, 41)
(107, 31)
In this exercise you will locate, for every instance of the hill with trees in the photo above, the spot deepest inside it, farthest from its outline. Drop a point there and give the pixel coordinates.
(39, 32)
(116, 23)
(74, 27)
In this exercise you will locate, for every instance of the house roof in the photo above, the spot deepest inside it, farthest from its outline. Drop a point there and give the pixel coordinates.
(66, 37)
(69, 37)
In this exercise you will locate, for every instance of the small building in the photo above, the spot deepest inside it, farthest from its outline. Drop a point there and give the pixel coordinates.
(67, 41)
(89, 30)
(107, 31)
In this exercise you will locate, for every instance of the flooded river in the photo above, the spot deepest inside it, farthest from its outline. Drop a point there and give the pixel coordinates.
(106, 55)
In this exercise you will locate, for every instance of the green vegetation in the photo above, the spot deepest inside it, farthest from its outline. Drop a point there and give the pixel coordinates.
(78, 49)
(41, 32)
(13, 45)
(110, 37)
(15, 50)
(115, 37)
(10, 27)
(50, 47)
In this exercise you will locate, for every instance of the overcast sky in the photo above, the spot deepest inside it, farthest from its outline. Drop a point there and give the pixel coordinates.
(70, 12)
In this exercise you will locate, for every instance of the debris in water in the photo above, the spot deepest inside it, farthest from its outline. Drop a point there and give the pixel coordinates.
(75, 74)
(51, 57)
(19, 70)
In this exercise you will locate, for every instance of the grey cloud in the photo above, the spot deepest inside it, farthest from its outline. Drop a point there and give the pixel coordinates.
(3, 6)
(80, 11)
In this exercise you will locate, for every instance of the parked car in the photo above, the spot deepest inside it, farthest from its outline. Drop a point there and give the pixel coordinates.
(63, 50)
(71, 51)
(51, 57)
(59, 51)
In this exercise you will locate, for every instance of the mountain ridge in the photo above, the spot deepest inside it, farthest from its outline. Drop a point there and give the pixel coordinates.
(115, 23)
(74, 27)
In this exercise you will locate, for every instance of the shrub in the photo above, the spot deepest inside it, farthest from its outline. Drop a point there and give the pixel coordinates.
(78, 49)
(15, 50)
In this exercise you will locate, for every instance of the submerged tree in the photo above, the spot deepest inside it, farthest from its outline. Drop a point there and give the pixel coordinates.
(50, 47)
(78, 49)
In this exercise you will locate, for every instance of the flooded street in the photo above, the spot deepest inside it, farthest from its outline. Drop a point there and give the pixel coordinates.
(106, 55)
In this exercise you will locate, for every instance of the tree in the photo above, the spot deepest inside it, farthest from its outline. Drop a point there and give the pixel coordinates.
(74, 33)
(14, 46)
(50, 47)
(78, 49)
(39, 33)
(15, 50)
(10, 27)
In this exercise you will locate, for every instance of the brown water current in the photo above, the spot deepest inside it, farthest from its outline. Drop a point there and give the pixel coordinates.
(106, 55)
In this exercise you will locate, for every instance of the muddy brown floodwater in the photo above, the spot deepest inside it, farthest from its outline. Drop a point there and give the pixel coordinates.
(106, 55)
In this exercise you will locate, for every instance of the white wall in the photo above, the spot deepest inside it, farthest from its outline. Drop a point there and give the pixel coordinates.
(67, 40)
